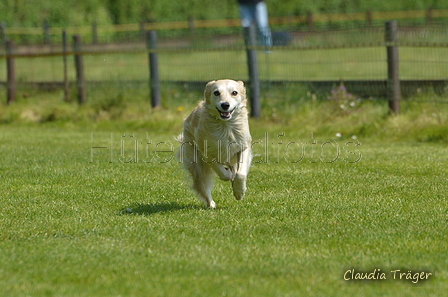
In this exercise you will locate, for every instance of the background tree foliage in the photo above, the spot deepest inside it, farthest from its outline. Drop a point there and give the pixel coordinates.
(82, 12)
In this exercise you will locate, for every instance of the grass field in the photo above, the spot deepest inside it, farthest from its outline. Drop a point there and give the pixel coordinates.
(78, 220)
(290, 64)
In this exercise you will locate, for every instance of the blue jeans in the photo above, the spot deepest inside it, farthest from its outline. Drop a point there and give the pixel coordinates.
(258, 13)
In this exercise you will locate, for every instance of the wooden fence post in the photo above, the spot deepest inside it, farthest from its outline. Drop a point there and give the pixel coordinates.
(79, 65)
(252, 63)
(192, 25)
(310, 19)
(142, 29)
(47, 39)
(11, 73)
(369, 18)
(65, 51)
(393, 78)
(429, 15)
(94, 32)
(3, 32)
(151, 39)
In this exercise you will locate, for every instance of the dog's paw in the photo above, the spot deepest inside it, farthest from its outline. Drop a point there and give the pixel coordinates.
(212, 204)
(239, 195)
(239, 187)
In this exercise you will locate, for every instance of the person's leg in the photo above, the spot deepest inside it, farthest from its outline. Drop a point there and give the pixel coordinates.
(261, 17)
(247, 13)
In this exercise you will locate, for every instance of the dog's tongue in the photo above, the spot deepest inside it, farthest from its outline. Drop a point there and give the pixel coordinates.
(225, 114)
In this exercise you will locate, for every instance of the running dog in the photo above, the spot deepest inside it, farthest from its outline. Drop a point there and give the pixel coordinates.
(216, 138)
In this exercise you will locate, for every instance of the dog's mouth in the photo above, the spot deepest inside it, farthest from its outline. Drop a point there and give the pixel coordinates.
(225, 115)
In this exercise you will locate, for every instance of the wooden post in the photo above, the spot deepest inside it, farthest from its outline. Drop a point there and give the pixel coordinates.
(429, 15)
(47, 39)
(142, 29)
(65, 51)
(11, 73)
(3, 32)
(154, 79)
(369, 18)
(192, 25)
(393, 79)
(79, 65)
(94, 32)
(252, 63)
(310, 19)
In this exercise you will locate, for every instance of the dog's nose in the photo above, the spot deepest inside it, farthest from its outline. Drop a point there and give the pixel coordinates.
(225, 105)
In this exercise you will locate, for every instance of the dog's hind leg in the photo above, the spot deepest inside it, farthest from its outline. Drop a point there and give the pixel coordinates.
(203, 182)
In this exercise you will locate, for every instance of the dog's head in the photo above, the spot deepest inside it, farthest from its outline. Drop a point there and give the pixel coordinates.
(224, 97)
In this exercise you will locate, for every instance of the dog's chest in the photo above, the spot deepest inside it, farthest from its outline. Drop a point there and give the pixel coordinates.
(222, 143)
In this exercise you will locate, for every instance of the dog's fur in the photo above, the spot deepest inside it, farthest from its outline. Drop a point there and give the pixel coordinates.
(216, 137)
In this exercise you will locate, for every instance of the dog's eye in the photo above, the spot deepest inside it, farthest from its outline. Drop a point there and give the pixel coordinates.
(234, 93)
(216, 93)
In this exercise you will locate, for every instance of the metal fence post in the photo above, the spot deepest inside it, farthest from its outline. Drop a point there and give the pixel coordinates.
(252, 63)
(393, 79)
(79, 65)
(151, 39)
(11, 73)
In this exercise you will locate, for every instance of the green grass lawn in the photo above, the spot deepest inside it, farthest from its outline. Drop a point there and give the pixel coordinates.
(83, 221)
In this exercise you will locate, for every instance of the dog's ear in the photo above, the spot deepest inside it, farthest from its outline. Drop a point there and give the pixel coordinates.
(208, 91)
(242, 88)
(243, 92)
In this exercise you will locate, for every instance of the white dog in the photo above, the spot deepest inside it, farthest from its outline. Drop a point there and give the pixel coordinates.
(216, 138)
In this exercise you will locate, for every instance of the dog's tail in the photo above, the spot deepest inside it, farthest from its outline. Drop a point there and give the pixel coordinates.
(180, 138)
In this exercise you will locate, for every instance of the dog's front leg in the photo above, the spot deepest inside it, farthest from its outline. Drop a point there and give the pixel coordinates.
(243, 167)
